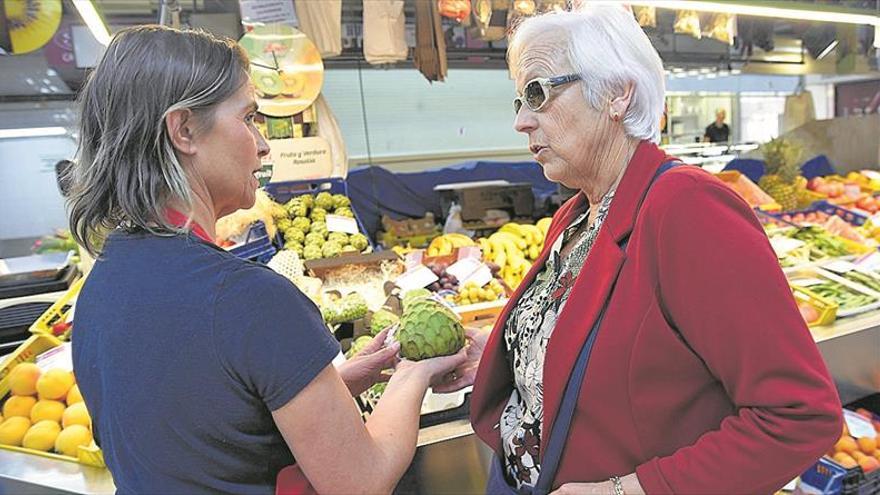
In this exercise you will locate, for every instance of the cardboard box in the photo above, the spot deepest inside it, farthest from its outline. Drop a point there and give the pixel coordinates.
(475, 198)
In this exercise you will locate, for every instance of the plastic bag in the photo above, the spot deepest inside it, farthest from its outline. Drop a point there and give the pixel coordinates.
(688, 22)
(647, 16)
(453, 222)
(720, 27)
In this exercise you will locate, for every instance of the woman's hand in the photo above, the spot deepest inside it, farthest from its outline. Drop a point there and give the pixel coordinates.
(630, 484)
(434, 370)
(464, 375)
(364, 369)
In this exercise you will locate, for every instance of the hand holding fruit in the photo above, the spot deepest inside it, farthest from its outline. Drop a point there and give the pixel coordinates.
(464, 375)
(364, 369)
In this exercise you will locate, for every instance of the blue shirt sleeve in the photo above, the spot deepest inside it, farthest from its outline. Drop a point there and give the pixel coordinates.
(269, 337)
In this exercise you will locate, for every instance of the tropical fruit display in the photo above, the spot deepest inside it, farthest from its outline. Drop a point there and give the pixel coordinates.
(782, 159)
(302, 222)
(443, 245)
(851, 452)
(471, 293)
(428, 329)
(44, 412)
(344, 309)
(381, 320)
(513, 248)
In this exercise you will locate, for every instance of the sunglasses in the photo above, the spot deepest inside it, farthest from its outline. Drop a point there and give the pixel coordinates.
(536, 92)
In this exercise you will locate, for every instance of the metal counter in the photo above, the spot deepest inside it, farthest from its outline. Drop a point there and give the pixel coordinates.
(450, 459)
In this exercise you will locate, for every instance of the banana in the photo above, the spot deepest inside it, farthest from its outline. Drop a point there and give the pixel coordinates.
(536, 234)
(486, 247)
(517, 241)
(513, 228)
(534, 252)
(459, 240)
(432, 251)
(500, 257)
(544, 224)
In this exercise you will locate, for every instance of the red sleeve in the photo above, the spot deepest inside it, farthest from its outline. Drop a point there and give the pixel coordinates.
(722, 288)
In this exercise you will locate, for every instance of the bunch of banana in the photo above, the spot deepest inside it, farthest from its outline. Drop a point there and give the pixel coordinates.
(514, 247)
(444, 244)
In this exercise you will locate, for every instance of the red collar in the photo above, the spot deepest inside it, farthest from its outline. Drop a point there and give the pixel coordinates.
(180, 220)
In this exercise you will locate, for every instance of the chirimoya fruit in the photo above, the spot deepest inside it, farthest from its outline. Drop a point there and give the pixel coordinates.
(429, 329)
(381, 320)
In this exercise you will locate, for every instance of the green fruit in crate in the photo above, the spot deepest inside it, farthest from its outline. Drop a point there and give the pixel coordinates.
(296, 208)
(359, 241)
(319, 227)
(314, 239)
(302, 223)
(340, 201)
(284, 223)
(414, 295)
(312, 252)
(308, 200)
(279, 212)
(294, 234)
(340, 237)
(318, 214)
(344, 212)
(429, 329)
(324, 200)
(358, 345)
(350, 308)
(382, 319)
(331, 249)
(294, 246)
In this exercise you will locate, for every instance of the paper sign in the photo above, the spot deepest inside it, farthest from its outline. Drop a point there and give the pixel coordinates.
(417, 278)
(470, 252)
(481, 277)
(268, 12)
(300, 159)
(859, 426)
(840, 266)
(413, 259)
(790, 486)
(336, 223)
(869, 262)
(57, 358)
(807, 282)
(464, 268)
(784, 245)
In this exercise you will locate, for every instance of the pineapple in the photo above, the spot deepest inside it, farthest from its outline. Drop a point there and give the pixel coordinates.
(782, 158)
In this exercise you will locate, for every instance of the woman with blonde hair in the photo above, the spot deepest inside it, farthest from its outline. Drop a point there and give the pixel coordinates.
(205, 373)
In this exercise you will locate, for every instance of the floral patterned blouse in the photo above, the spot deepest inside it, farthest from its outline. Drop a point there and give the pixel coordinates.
(526, 334)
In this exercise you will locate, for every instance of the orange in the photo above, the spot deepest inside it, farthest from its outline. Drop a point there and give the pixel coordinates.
(846, 444)
(845, 460)
(867, 445)
(869, 464)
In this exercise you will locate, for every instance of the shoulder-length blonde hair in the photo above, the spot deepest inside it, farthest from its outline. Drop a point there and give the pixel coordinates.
(126, 169)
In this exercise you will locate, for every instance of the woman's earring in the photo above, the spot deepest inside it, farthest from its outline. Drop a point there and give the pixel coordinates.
(615, 116)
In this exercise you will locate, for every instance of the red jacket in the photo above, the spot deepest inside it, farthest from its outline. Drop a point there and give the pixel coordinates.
(704, 377)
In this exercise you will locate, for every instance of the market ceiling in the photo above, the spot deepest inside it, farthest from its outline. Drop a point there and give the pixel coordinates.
(56, 71)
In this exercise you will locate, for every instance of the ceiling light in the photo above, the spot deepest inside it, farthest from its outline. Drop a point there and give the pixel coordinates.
(94, 22)
(32, 132)
(677, 69)
(740, 8)
(827, 50)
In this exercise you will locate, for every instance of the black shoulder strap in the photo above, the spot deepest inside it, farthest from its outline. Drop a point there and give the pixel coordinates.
(562, 425)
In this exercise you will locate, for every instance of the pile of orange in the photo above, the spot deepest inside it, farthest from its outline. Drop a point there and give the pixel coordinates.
(852, 452)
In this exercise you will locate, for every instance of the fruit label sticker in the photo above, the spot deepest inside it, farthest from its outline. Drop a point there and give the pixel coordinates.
(840, 267)
(859, 426)
(417, 278)
(337, 223)
(58, 358)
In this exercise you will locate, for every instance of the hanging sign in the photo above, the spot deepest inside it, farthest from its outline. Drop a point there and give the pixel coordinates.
(300, 159)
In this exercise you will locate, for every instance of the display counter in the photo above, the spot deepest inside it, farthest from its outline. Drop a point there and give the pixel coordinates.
(450, 458)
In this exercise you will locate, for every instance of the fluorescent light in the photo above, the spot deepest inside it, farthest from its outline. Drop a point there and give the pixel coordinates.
(32, 132)
(757, 10)
(94, 22)
(827, 50)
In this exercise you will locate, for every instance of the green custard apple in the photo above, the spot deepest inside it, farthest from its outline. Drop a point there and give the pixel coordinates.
(344, 212)
(341, 201)
(340, 237)
(324, 201)
(284, 223)
(318, 214)
(320, 227)
(311, 252)
(359, 241)
(302, 223)
(331, 249)
(382, 319)
(315, 239)
(294, 234)
(429, 329)
(358, 345)
(413, 295)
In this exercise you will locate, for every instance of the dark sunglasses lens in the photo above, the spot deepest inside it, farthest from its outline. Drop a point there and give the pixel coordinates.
(517, 104)
(534, 95)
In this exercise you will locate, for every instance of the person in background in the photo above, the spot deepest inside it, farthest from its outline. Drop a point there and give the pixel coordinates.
(718, 131)
(203, 372)
(702, 376)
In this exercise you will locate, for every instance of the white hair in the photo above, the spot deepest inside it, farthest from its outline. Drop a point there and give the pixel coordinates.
(606, 46)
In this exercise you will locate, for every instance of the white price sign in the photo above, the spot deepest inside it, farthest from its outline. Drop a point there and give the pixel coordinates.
(858, 426)
(336, 223)
(58, 358)
(417, 278)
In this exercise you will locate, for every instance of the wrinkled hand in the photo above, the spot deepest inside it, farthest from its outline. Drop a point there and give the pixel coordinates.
(434, 369)
(630, 484)
(464, 375)
(364, 369)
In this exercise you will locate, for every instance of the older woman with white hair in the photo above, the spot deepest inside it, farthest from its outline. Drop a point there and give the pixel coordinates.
(655, 346)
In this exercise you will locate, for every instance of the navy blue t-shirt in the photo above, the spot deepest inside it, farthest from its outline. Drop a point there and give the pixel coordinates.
(181, 351)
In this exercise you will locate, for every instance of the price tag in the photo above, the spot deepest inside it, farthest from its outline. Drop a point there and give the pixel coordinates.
(869, 262)
(859, 426)
(840, 266)
(336, 223)
(413, 259)
(481, 277)
(784, 245)
(790, 486)
(417, 278)
(470, 252)
(463, 269)
(58, 358)
(807, 282)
